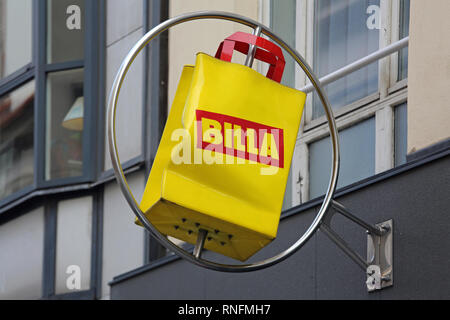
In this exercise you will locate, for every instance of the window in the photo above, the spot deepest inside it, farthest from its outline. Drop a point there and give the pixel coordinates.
(16, 139)
(403, 32)
(400, 134)
(73, 243)
(369, 104)
(357, 146)
(65, 103)
(283, 23)
(65, 31)
(15, 35)
(341, 36)
(16, 97)
(64, 125)
(48, 81)
(49, 100)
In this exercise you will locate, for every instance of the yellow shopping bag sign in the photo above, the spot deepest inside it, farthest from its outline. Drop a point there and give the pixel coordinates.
(225, 153)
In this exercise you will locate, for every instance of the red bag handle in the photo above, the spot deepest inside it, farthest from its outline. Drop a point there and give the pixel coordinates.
(266, 51)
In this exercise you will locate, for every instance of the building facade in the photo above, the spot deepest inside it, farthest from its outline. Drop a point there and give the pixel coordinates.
(66, 232)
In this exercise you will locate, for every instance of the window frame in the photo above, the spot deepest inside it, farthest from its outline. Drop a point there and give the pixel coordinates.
(37, 70)
(9, 81)
(14, 81)
(50, 243)
(90, 92)
(380, 105)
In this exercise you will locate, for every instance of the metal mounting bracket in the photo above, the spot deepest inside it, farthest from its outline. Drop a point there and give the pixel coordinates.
(379, 263)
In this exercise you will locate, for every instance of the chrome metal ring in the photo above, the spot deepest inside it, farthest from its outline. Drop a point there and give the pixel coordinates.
(118, 170)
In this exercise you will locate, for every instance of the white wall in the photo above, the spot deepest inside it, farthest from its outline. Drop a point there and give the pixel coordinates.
(428, 74)
(123, 241)
(190, 38)
(21, 256)
(123, 30)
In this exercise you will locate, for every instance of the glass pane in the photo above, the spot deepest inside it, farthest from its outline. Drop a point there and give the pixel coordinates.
(15, 35)
(342, 36)
(65, 30)
(64, 124)
(404, 32)
(357, 146)
(73, 245)
(401, 133)
(16, 139)
(283, 23)
(21, 256)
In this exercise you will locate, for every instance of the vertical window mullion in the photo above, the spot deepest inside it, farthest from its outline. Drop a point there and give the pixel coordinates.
(400, 133)
(384, 139)
(384, 154)
(385, 40)
(403, 16)
(90, 88)
(300, 164)
(300, 151)
(40, 100)
(97, 243)
(395, 32)
(300, 174)
(310, 12)
(100, 125)
(49, 261)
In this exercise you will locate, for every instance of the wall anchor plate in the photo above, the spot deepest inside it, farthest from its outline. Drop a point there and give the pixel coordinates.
(380, 257)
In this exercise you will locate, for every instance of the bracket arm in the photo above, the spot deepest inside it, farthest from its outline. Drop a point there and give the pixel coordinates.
(378, 265)
(344, 246)
(343, 210)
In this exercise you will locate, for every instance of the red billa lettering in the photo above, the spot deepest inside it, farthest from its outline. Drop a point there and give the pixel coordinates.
(241, 138)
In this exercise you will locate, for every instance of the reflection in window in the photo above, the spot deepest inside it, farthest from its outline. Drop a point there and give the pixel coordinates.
(64, 124)
(400, 134)
(65, 30)
(357, 150)
(341, 37)
(15, 35)
(16, 139)
(404, 32)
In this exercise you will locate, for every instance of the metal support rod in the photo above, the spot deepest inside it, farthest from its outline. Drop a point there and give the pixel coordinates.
(344, 246)
(352, 67)
(342, 210)
(200, 243)
(252, 49)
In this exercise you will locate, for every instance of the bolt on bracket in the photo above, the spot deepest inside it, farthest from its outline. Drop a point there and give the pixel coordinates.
(380, 257)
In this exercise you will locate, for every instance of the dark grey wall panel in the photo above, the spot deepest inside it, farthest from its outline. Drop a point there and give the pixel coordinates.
(418, 202)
